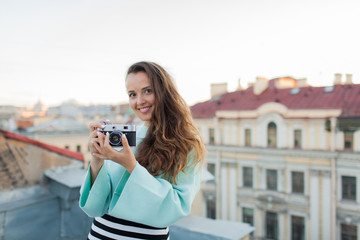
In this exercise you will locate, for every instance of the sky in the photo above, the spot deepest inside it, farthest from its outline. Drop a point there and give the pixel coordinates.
(58, 50)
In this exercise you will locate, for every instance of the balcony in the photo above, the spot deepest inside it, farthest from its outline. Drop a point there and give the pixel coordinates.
(281, 152)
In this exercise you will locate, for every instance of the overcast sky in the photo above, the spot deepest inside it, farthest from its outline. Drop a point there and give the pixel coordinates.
(76, 49)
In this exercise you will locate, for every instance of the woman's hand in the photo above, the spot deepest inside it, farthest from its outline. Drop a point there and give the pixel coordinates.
(125, 157)
(96, 162)
(93, 138)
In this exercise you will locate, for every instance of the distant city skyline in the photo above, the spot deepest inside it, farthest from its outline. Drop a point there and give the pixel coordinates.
(56, 51)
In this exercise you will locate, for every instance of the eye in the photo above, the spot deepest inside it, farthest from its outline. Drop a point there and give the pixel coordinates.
(132, 95)
(148, 91)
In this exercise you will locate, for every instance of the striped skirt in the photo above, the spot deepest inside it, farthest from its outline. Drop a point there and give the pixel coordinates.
(108, 227)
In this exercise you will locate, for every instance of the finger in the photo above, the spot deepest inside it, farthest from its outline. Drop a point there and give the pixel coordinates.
(97, 147)
(106, 141)
(105, 121)
(91, 142)
(93, 134)
(95, 125)
(94, 141)
(124, 141)
(100, 138)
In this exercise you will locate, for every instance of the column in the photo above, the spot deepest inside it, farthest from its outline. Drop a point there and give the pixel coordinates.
(281, 225)
(218, 184)
(232, 192)
(224, 192)
(326, 205)
(311, 137)
(314, 204)
(281, 181)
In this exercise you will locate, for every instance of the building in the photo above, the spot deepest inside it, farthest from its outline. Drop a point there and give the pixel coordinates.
(39, 190)
(285, 156)
(23, 160)
(7, 116)
(63, 132)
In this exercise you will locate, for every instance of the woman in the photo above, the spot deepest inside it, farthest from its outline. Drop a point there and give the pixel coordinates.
(138, 195)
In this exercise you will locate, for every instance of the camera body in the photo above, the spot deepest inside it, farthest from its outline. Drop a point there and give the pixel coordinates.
(116, 131)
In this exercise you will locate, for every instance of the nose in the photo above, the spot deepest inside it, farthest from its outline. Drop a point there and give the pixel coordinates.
(140, 100)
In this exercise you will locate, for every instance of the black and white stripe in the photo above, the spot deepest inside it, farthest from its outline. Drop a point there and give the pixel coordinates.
(109, 227)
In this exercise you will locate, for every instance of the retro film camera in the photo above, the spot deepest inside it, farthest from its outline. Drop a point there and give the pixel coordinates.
(116, 131)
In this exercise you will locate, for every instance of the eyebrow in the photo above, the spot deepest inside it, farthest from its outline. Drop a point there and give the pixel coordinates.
(144, 88)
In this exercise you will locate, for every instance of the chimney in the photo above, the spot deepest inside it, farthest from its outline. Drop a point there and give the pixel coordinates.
(337, 80)
(285, 82)
(302, 82)
(239, 85)
(348, 79)
(260, 85)
(218, 89)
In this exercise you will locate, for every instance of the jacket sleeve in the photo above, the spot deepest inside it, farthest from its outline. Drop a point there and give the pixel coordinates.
(95, 199)
(153, 200)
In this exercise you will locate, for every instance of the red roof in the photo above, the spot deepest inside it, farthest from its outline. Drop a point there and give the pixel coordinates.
(344, 97)
(61, 151)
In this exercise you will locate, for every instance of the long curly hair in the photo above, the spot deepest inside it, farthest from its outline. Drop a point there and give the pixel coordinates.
(172, 134)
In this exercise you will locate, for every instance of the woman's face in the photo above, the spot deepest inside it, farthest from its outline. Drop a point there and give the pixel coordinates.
(141, 96)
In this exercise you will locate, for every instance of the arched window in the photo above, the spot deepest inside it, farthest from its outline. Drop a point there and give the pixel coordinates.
(271, 133)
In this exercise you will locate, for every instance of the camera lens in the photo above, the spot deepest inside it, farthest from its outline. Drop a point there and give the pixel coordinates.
(115, 138)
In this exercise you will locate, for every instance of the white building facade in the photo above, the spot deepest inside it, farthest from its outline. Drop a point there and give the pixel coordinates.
(292, 172)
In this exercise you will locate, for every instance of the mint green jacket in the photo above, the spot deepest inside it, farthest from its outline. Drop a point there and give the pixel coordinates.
(139, 196)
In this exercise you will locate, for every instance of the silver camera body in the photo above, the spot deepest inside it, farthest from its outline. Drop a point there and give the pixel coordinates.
(116, 131)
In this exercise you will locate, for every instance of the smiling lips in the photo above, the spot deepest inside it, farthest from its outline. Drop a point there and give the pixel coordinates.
(144, 109)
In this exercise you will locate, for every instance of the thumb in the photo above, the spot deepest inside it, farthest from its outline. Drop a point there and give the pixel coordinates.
(124, 141)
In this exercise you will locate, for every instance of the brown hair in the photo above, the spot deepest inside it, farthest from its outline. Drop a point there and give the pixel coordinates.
(172, 133)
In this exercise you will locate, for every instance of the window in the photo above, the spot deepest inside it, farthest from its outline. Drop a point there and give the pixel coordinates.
(294, 91)
(271, 225)
(329, 89)
(67, 147)
(272, 135)
(271, 179)
(211, 136)
(211, 208)
(248, 177)
(297, 138)
(248, 137)
(248, 216)
(211, 168)
(297, 228)
(349, 141)
(348, 232)
(78, 148)
(348, 188)
(297, 179)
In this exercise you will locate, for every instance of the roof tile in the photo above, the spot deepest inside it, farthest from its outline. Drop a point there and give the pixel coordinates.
(344, 97)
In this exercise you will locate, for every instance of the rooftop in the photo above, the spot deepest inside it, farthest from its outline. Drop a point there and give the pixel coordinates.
(23, 160)
(343, 97)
